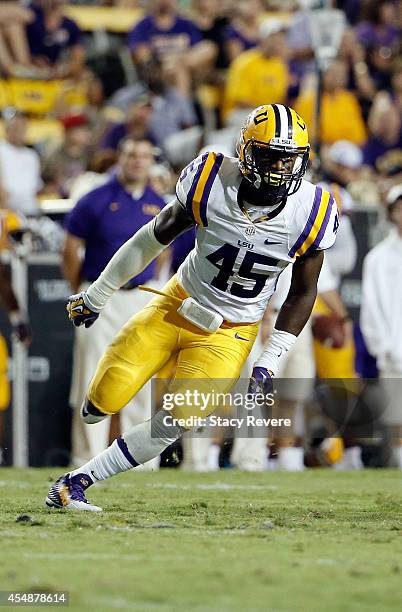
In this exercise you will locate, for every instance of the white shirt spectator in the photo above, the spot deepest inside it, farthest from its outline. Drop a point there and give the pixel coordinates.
(343, 255)
(20, 177)
(381, 310)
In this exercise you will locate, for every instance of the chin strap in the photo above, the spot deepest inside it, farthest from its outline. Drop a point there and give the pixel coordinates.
(257, 182)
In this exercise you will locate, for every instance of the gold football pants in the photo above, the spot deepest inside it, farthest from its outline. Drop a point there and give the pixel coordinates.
(333, 362)
(156, 335)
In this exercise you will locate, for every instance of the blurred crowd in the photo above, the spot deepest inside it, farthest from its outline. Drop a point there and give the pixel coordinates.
(180, 79)
(185, 76)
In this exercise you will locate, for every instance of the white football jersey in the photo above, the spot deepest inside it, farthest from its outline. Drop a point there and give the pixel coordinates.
(235, 264)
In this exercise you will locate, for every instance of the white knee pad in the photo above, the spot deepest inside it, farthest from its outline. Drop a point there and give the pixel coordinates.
(89, 418)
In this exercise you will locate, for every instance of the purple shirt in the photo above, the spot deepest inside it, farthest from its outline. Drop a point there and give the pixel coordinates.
(50, 44)
(232, 33)
(106, 218)
(182, 35)
(375, 148)
(369, 36)
(115, 134)
(181, 247)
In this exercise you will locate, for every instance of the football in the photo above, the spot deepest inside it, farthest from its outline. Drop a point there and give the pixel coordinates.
(329, 330)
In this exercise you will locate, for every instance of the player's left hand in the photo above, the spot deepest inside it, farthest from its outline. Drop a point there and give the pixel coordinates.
(79, 311)
(261, 381)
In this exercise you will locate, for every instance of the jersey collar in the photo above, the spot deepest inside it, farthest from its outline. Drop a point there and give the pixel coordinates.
(274, 213)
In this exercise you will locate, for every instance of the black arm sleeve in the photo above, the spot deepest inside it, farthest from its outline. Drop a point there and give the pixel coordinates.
(171, 222)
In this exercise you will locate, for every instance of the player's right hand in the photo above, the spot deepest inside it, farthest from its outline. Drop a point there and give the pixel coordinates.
(79, 311)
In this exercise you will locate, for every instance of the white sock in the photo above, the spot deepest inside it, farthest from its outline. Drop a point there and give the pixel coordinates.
(214, 452)
(272, 464)
(291, 459)
(196, 453)
(140, 444)
(351, 460)
(397, 456)
(147, 440)
(250, 454)
(199, 451)
(111, 461)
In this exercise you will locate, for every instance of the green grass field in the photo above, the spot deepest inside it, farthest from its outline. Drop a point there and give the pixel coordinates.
(226, 541)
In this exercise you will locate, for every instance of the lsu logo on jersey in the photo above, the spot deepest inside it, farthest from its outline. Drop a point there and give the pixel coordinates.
(245, 245)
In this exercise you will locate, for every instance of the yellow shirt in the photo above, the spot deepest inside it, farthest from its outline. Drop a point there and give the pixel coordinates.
(340, 117)
(3, 236)
(10, 221)
(254, 80)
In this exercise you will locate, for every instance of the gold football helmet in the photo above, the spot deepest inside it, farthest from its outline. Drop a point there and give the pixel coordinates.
(273, 150)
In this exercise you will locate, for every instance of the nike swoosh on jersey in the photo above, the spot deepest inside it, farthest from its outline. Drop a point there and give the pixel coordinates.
(267, 241)
(241, 337)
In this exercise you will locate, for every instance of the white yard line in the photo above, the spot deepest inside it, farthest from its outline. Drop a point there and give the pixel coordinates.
(217, 486)
(19, 484)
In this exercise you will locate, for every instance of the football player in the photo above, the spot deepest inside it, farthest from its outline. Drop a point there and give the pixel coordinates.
(254, 214)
